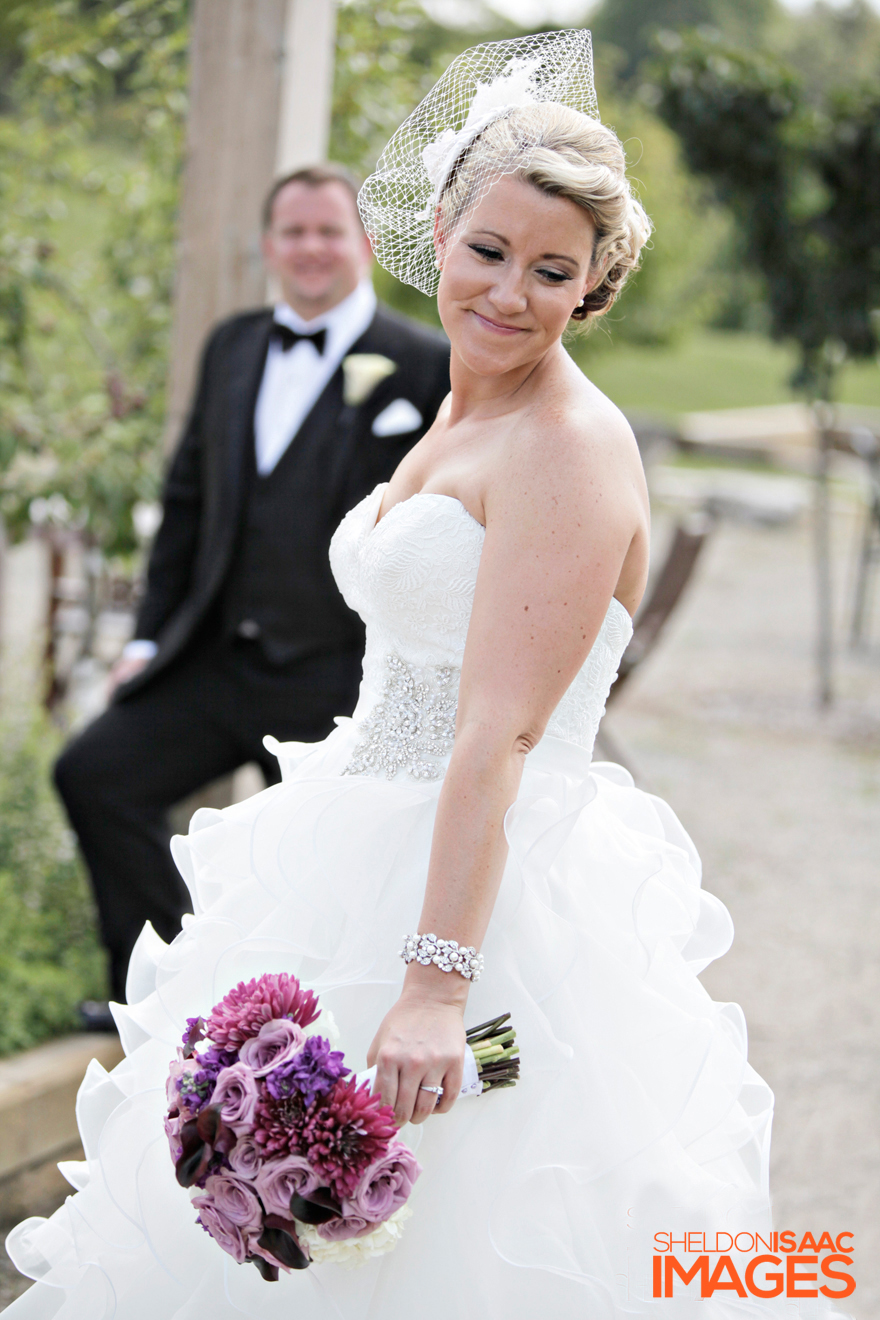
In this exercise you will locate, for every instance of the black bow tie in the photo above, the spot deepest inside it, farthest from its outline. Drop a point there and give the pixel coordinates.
(283, 335)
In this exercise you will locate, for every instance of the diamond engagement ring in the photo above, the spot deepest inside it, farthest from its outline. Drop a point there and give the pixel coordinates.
(435, 1090)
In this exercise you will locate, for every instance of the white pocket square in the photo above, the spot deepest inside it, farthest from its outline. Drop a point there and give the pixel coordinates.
(399, 416)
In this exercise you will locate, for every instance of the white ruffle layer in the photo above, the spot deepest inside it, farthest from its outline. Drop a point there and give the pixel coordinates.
(637, 1111)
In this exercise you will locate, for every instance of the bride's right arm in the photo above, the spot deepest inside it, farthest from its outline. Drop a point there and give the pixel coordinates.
(557, 540)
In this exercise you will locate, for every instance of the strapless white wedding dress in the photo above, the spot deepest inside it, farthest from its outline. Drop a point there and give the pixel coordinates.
(637, 1111)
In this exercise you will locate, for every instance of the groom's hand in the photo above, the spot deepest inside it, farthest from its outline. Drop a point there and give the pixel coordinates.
(123, 671)
(421, 1043)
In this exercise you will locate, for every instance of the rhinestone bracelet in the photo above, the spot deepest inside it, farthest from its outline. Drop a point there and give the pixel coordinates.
(448, 955)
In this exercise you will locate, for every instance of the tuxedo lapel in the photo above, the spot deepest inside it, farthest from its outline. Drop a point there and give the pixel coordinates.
(245, 368)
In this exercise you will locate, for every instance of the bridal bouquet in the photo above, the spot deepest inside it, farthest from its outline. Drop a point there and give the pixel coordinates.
(293, 1158)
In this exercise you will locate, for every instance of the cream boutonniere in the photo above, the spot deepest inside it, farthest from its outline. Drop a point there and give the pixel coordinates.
(361, 373)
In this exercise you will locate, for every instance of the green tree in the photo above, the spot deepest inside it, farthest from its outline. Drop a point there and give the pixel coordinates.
(803, 185)
(632, 25)
(97, 132)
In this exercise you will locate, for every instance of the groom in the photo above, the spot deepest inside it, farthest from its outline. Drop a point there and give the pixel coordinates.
(298, 413)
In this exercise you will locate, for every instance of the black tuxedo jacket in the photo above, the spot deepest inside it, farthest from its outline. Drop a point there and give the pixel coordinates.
(206, 482)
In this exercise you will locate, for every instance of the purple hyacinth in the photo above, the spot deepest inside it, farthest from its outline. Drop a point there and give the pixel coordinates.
(195, 1031)
(312, 1072)
(196, 1088)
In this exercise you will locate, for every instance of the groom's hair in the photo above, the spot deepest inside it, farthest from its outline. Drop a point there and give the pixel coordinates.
(313, 176)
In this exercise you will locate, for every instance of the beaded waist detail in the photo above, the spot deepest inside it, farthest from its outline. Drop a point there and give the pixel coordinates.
(412, 726)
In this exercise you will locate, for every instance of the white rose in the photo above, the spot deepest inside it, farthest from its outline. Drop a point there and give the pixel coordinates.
(355, 1251)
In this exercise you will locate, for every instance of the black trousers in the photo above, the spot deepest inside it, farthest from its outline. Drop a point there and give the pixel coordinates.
(202, 718)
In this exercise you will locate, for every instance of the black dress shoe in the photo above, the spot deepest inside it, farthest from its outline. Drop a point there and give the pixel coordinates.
(95, 1015)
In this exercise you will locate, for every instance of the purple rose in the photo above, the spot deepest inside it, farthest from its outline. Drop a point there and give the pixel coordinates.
(339, 1230)
(276, 1042)
(236, 1200)
(278, 1179)
(385, 1185)
(236, 1093)
(226, 1234)
(245, 1158)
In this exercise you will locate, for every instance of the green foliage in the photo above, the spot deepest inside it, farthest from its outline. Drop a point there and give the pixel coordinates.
(92, 155)
(802, 185)
(632, 25)
(50, 958)
(829, 47)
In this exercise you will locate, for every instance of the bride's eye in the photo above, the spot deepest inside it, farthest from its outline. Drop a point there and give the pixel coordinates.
(554, 276)
(487, 253)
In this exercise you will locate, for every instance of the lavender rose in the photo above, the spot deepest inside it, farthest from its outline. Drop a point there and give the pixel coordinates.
(385, 1185)
(172, 1132)
(245, 1158)
(236, 1093)
(226, 1234)
(176, 1070)
(339, 1230)
(276, 1043)
(236, 1201)
(278, 1179)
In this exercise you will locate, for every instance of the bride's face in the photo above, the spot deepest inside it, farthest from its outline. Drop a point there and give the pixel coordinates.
(512, 275)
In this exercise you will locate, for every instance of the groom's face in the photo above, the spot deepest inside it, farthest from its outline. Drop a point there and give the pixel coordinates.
(316, 246)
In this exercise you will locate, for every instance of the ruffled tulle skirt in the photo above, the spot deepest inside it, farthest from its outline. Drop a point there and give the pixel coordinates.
(637, 1112)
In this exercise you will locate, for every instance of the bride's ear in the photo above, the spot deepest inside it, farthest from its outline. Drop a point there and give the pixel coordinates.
(439, 240)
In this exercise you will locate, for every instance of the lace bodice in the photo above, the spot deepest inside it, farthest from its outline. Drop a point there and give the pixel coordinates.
(411, 577)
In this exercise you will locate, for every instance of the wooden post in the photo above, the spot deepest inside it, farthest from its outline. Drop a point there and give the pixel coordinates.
(307, 83)
(261, 74)
(824, 594)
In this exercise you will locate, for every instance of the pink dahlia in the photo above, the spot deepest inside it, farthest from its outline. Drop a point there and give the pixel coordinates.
(242, 1012)
(278, 1122)
(346, 1133)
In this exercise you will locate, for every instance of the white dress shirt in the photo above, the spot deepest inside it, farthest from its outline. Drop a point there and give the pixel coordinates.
(291, 385)
(293, 381)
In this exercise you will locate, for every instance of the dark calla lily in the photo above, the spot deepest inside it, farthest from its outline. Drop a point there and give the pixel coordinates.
(279, 1238)
(269, 1272)
(317, 1208)
(214, 1131)
(195, 1154)
(200, 1139)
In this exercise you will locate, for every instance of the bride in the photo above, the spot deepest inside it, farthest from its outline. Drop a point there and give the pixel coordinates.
(497, 574)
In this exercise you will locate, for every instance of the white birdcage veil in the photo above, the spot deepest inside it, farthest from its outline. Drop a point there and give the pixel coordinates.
(398, 202)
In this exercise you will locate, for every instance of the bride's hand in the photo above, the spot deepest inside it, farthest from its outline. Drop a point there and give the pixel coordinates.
(421, 1043)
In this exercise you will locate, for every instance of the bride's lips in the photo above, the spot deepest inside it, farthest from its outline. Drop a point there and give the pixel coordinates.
(498, 326)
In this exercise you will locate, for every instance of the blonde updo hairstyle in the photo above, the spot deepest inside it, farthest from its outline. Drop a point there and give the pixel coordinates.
(564, 154)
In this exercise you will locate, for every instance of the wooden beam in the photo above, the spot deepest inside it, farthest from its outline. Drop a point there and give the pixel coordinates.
(307, 83)
(261, 81)
(236, 59)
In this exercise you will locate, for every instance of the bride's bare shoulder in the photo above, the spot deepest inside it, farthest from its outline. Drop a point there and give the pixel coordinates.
(576, 437)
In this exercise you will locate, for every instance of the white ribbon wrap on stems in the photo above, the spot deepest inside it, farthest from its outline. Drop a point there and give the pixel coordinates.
(470, 1082)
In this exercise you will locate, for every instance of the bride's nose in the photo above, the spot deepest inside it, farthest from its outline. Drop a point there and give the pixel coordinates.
(508, 293)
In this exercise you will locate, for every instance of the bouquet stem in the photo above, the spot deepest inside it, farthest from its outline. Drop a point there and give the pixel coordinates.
(496, 1054)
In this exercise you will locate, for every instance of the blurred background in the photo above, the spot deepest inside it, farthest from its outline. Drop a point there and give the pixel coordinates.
(136, 141)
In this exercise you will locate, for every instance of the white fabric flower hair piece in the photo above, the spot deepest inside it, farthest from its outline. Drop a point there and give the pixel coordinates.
(398, 202)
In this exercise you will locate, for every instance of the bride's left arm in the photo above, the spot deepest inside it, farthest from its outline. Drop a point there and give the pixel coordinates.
(556, 542)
